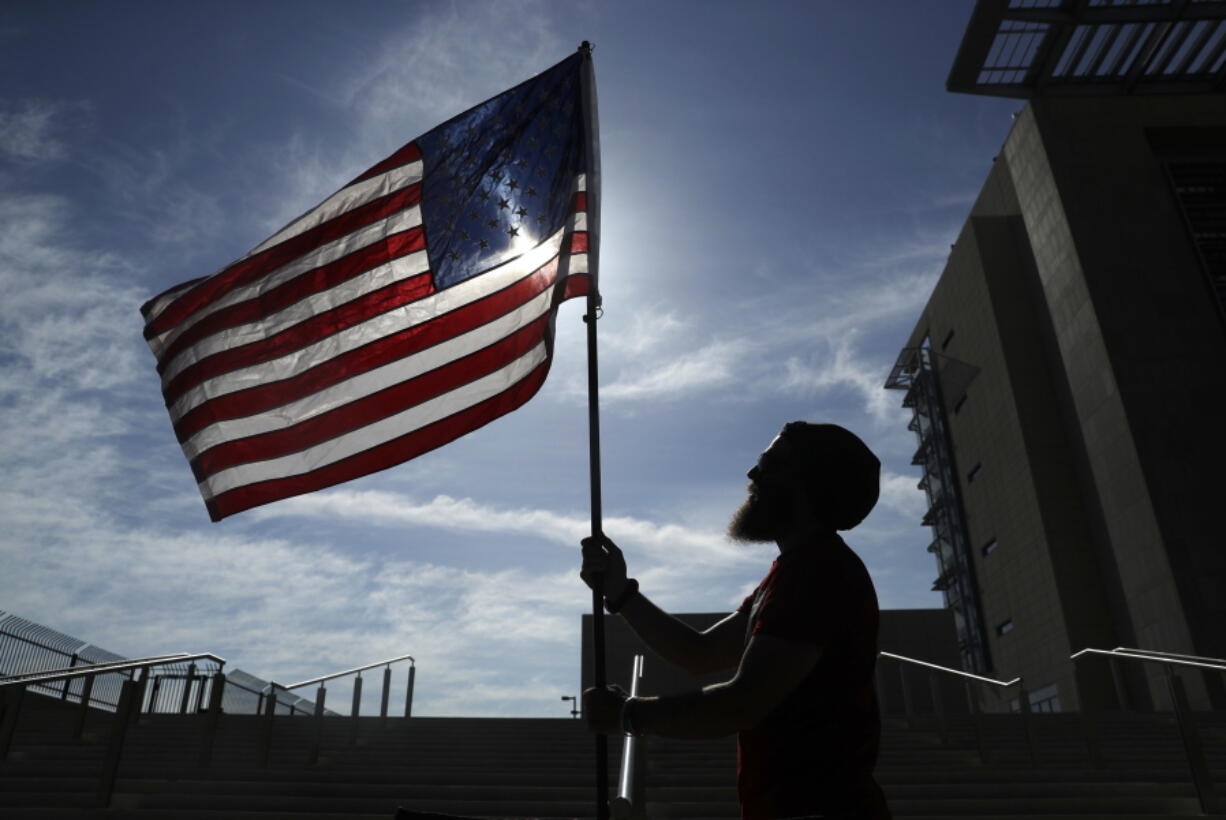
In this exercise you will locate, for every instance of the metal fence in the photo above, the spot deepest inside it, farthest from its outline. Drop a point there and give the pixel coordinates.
(173, 687)
(27, 647)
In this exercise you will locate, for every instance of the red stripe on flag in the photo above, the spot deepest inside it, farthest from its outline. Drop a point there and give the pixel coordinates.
(578, 242)
(577, 285)
(385, 455)
(407, 342)
(580, 203)
(297, 289)
(267, 261)
(183, 286)
(315, 329)
(407, 154)
(372, 408)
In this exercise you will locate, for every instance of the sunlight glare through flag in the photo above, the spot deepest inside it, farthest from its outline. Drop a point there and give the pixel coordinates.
(412, 306)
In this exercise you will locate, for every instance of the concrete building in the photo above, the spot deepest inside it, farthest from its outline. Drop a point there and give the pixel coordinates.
(1066, 375)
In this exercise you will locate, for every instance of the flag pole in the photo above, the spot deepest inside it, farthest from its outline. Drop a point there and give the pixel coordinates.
(592, 126)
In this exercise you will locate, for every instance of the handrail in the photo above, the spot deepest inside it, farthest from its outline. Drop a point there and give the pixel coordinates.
(72, 669)
(1140, 655)
(323, 678)
(958, 672)
(107, 668)
(1202, 779)
(1130, 651)
(622, 806)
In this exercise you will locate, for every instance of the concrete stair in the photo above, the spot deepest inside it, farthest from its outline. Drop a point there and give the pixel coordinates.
(537, 767)
(1144, 772)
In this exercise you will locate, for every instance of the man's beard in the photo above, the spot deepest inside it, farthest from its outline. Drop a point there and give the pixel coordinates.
(763, 517)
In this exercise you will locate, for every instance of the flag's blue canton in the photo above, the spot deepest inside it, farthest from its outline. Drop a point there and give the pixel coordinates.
(500, 178)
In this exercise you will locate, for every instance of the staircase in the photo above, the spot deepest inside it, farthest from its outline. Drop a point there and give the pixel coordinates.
(538, 767)
(1145, 774)
(531, 767)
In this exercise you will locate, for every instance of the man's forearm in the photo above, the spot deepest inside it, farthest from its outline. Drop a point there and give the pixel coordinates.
(673, 640)
(716, 711)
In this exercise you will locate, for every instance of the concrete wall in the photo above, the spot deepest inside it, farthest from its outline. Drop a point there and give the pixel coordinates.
(1143, 348)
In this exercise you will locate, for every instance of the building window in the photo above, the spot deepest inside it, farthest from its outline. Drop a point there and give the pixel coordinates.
(973, 473)
(948, 338)
(1005, 628)
(1046, 699)
(1200, 187)
(958, 405)
(988, 547)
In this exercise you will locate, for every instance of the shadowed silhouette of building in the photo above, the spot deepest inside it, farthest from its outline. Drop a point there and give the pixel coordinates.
(1066, 374)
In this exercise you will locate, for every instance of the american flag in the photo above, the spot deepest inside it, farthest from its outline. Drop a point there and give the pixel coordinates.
(412, 306)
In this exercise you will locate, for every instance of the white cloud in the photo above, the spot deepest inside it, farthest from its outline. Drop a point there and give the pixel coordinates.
(929, 248)
(669, 542)
(842, 367)
(26, 130)
(151, 590)
(66, 320)
(709, 367)
(811, 345)
(151, 191)
(289, 611)
(648, 331)
(445, 60)
(901, 494)
(301, 177)
(450, 59)
(962, 200)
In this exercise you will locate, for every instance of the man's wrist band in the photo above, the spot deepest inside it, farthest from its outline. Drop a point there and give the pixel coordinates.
(627, 717)
(631, 588)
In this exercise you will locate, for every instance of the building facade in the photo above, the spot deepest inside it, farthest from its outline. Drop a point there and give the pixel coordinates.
(1066, 379)
(1066, 376)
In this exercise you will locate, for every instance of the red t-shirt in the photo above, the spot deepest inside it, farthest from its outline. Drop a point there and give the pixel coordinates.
(815, 753)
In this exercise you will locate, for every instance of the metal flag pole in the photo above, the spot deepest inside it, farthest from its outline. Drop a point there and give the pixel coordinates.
(592, 125)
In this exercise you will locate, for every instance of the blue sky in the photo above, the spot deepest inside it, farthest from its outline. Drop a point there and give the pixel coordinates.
(782, 182)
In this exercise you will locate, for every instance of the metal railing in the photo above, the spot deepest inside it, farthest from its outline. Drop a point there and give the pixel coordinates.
(322, 692)
(131, 695)
(321, 696)
(43, 677)
(1193, 748)
(28, 648)
(193, 688)
(190, 689)
(628, 802)
(967, 678)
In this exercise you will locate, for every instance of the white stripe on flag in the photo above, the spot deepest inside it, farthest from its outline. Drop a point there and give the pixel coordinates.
(346, 199)
(159, 304)
(372, 381)
(322, 255)
(389, 272)
(577, 264)
(410, 315)
(377, 433)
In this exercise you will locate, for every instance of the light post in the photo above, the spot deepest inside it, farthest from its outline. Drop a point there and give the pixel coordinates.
(574, 705)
